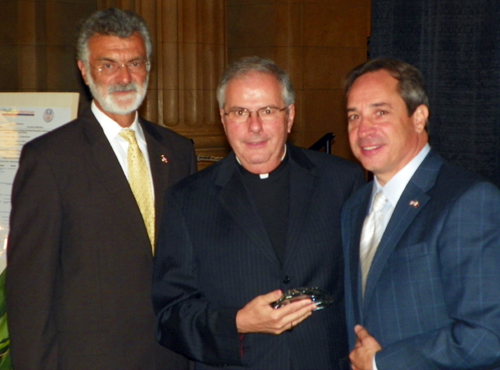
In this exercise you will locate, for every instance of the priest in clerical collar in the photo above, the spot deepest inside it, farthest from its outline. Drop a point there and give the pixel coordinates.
(261, 223)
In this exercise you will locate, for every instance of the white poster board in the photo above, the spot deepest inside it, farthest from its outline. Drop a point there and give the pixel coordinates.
(23, 117)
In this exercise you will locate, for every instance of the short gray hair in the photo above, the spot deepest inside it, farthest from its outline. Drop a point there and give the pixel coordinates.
(251, 64)
(111, 22)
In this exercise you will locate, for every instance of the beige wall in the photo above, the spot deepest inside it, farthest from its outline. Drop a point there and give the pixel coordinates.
(37, 44)
(316, 41)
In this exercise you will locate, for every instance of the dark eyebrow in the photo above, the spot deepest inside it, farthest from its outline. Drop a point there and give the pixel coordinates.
(373, 105)
(381, 104)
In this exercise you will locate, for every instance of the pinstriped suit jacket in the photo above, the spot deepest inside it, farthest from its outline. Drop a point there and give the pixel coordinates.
(433, 292)
(214, 256)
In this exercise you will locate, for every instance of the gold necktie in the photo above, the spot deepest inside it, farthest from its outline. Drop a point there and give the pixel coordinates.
(139, 179)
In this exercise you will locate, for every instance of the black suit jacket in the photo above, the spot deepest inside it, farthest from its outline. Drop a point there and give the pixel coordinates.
(214, 256)
(79, 258)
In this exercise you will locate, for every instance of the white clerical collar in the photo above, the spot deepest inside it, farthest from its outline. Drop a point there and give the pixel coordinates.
(264, 175)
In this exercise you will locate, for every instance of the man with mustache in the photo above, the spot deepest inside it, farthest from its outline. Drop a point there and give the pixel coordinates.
(81, 243)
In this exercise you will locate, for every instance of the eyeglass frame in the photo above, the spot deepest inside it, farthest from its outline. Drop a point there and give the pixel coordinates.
(147, 64)
(255, 111)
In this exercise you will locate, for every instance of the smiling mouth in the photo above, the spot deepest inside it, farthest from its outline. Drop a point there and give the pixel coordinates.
(255, 143)
(370, 148)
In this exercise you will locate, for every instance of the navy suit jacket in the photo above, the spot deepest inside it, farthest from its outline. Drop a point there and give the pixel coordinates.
(433, 291)
(80, 262)
(214, 256)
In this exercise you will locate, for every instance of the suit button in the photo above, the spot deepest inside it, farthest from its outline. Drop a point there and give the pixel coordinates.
(286, 280)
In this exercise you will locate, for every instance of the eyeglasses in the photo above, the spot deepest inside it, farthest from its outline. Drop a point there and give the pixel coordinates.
(242, 114)
(110, 67)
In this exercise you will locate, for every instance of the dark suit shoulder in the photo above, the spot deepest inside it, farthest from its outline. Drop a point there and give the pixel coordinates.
(332, 169)
(453, 174)
(165, 133)
(202, 179)
(342, 176)
(453, 181)
(60, 140)
(321, 160)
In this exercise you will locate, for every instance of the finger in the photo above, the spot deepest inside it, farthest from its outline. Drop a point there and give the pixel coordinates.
(297, 306)
(301, 315)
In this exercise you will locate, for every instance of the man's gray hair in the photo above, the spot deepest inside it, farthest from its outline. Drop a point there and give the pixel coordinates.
(251, 64)
(111, 22)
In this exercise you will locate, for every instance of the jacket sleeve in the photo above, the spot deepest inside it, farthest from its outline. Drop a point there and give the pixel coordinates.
(469, 257)
(187, 322)
(32, 259)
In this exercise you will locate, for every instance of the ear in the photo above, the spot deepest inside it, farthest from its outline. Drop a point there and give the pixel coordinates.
(291, 117)
(420, 117)
(83, 70)
(222, 116)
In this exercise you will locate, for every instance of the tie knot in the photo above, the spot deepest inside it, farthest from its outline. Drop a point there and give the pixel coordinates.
(379, 201)
(129, 135)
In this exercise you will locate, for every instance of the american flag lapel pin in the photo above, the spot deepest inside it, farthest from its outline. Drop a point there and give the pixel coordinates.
(414, 203)
(163, 158)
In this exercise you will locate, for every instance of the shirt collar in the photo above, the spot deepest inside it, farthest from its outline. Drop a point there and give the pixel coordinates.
(395, 187)
(112, 128)
(264, 175)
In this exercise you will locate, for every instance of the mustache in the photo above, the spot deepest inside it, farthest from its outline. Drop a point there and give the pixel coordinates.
(132, 86)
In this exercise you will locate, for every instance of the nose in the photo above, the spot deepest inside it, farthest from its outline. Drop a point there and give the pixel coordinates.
(365, 127)
(254, 122)
(123, 75)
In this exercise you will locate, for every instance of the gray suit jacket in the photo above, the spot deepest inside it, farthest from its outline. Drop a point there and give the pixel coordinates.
(79, 259)
(214, 256)
(432, 295)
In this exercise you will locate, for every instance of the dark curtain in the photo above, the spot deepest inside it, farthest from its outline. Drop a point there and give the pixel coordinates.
(456, 45)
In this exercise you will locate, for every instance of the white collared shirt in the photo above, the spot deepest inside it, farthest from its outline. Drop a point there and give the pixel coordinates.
(395, 187)
(120, 146)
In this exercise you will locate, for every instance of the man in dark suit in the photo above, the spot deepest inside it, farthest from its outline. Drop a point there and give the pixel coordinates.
(424, 293)
(237, 235)
(80, 258)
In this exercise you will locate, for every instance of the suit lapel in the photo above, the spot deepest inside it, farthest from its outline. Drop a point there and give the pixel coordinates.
(404, 214)
(358, 212)
(235, 199)
(160, 168)
(103, 159)
(302, 184)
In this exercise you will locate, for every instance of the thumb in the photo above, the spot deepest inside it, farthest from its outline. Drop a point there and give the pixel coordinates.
(361, 332)
(273, 296)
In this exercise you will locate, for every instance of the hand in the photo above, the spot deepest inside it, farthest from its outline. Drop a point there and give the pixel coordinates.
(366, 346)
(259, 317)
